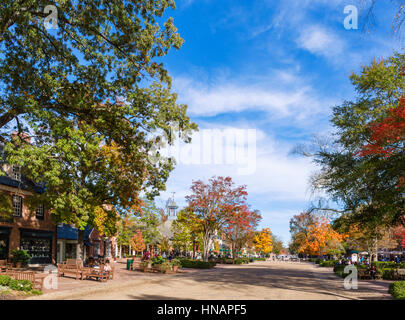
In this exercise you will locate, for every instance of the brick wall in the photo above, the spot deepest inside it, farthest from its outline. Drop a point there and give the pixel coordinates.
(27, 220)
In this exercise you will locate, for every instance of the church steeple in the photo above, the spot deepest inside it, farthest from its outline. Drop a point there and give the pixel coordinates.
(172, 208)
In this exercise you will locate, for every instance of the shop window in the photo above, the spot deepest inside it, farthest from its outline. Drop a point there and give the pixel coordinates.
(38, 246)
(39, 213)
(17, 205)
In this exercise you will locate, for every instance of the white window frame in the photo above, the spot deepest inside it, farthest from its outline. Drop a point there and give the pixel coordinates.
(40, 208)
(14, 207)
(16, 172)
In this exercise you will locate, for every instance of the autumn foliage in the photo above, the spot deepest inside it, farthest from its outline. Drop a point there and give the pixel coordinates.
(263, 242)
(221, 206)
(318, 236)
(387, 136)
(137, 242)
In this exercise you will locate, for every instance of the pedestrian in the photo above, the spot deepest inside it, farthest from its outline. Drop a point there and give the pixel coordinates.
(373, 272)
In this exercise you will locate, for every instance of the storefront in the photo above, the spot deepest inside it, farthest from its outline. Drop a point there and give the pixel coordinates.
(4, 242)
(38, 244)
(67, 242)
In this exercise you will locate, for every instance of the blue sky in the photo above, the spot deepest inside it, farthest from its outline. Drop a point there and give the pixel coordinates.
(278, 68)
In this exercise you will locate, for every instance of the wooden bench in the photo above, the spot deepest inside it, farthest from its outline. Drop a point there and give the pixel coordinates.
(400, 274)
(37, 280)
(4, 265)
(111, 273)
(98, 274)
(71, 266)
(363, 274)
(366, 274)
(137, 265)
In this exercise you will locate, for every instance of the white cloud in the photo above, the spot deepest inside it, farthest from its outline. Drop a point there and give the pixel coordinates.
(281, 95)
(279, 176)
(318, 40)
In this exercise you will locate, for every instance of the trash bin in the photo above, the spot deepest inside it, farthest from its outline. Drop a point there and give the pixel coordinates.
(129, 263)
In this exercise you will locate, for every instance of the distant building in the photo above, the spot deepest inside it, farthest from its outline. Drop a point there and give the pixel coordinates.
(165, 228)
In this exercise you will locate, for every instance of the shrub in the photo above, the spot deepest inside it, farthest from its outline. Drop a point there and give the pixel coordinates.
(21, 256)
(176, 262)
(260, 259)
(20, 285)
(384, 264)
(397, 290)
(36, 292)
(158, 260)
(330, 263)
(188, 263)
(5, 280)
(238, 261)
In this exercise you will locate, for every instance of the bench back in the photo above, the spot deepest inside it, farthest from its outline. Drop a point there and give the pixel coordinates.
(22, 275)
(73, 263)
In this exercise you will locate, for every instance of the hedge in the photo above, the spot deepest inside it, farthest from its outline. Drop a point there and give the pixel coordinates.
(339, 268)
(329, 263)
(386, 273)
(397, 290)
(196, 264)
(387, 264)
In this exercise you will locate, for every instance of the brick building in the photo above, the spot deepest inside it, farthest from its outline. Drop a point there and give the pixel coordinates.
(33, 231)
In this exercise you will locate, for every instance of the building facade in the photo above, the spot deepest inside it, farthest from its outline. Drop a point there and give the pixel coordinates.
(95, 245)
(33, 231)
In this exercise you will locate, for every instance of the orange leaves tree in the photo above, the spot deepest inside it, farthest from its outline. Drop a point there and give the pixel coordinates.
(314, 235)
(137, 242)
(263, 241)
(320, 237)
(215, 203)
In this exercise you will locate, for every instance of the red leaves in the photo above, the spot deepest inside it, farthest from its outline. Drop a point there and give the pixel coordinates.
(387, 136)
(217, 200)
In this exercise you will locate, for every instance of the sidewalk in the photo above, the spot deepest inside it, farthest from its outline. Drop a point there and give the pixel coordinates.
(70, 288)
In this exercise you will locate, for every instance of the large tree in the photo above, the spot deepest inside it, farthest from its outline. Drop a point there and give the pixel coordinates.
(263, 241)
(84, 100)
(240, 227)
(214, 203)
(362, 165)
(187, 230)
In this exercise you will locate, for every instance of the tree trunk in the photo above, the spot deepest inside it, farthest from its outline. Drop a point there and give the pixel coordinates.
(80, 244)
(206, 240)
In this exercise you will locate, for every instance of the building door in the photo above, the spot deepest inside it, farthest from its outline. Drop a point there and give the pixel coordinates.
(4, 247)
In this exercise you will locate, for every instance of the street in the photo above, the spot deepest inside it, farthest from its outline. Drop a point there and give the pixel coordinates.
(261, 280)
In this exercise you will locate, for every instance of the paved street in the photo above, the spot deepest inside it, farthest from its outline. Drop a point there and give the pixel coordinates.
(260, 280)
